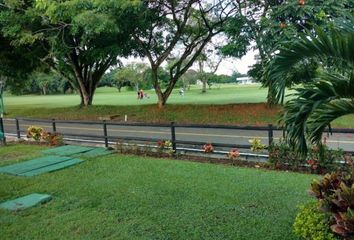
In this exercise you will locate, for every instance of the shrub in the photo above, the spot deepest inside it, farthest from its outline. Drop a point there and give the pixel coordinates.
(233, 154)
(208, 148)
(281, 155)
(53, 139)
(165, 145)
(322, 159)
(256, 145)
(348, 160)
(311, 223)
(335, 193)
(35, 132)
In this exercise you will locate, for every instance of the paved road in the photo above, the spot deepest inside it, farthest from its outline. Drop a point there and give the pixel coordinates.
(202, 135)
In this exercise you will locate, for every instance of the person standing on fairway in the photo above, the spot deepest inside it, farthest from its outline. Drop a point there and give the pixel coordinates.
(181, 92)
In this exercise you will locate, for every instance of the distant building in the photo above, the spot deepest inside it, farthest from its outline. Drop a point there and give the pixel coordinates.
(245, 80)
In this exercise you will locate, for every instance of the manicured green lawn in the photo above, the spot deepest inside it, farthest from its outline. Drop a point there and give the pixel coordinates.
(224, 104)
(224, 94)
(131, 197)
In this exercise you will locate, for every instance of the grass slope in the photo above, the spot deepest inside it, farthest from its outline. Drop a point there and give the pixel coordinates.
(130, 197)
(248, 114)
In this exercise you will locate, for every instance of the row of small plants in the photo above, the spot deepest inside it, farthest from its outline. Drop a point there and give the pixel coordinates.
(208, 148)
(40, 135)
(55, 139)
(256, 146)
(320, 159)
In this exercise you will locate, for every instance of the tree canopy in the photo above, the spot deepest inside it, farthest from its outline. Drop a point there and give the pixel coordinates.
(81, 39)
(178, 31)
(265, 25)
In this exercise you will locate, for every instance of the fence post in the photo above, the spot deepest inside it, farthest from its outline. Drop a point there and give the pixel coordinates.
(54, 126)
(105, 133)
(2, 129)
(270, 134)
(173, 136)
(18, 129)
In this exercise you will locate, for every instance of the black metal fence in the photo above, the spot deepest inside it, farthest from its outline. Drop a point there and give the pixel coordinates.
(2, 131)
(174, 129)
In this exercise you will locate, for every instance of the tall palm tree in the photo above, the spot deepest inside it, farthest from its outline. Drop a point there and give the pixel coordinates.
(329, 94)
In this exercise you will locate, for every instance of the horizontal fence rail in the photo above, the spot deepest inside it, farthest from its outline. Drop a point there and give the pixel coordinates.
(172, 130)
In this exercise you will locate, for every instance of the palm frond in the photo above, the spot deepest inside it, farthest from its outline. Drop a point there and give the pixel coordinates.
(315, 106)
(325, 114)
(335, 48)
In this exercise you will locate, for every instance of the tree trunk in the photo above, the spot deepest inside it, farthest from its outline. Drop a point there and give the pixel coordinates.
(86, 95)
(161, 98)
(86, 99)
(90, 100)
(202, 77)
(86, 77)
(270, 98)
(161, 102)
(204, 86)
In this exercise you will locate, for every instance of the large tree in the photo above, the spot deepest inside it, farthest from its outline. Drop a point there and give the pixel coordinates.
(16, 62)
(263, 25)
(188, 78)
(81, 38)
(131, 75)
(209, 61)
(178, 30)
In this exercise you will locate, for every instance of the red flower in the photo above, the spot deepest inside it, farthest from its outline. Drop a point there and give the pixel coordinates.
(234, 153)
(313, 164)
(314, 167)
(208, 148)
(160, 143)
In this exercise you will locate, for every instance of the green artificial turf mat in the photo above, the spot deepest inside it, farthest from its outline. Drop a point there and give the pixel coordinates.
(30, 165)
(51, 168)
(96, 152)
(25, 202)
(67, 150)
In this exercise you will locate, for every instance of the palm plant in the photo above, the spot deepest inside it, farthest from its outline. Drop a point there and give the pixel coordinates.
(330, 92)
